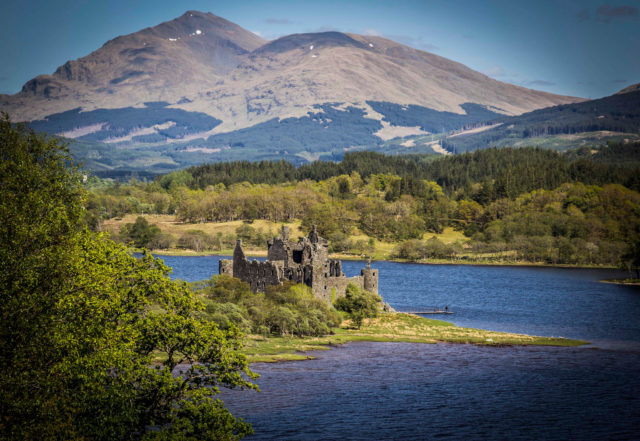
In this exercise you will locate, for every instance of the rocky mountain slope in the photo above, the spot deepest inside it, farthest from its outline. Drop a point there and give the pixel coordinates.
(200, 88)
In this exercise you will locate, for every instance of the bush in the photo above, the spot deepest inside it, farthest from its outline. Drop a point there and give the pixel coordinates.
(140, 232)
(251, 236)
(411, 250)
(359, 304)
(196, 240)
(162, 241)
(286, 309)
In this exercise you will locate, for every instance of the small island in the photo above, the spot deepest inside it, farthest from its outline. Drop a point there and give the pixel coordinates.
(389, 327)
(299, 300)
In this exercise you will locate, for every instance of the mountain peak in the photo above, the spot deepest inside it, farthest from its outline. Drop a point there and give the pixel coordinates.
(310, 41)
(202, 62)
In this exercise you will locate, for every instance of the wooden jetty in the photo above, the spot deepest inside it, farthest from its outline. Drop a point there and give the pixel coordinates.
(428, 311)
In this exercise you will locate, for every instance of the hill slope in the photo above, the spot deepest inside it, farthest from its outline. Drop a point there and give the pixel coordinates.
(613, 116)
(225, 93)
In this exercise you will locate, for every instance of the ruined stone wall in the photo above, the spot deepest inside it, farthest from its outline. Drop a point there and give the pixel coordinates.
(277, 249)
(333, 288)
(225, 266)
(259, 275)
(305, 261)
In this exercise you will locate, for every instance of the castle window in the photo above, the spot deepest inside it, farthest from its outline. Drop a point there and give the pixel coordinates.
(297, 256)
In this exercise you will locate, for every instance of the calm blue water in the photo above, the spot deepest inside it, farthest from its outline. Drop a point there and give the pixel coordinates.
(540, 301)
(383, 391)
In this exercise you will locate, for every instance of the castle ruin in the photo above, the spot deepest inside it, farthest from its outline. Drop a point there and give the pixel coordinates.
(306, 261)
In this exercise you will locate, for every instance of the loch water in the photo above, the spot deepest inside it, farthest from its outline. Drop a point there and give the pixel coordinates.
(386, 391)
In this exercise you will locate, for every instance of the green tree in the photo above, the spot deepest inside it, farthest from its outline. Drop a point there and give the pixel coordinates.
(359, 304)
(631, 259)
(140, 232)
(82, 321)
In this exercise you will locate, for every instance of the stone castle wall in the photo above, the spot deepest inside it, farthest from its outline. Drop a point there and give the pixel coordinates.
(305, 261)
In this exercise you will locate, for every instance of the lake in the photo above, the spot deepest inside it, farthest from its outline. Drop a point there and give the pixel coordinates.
(365, 391)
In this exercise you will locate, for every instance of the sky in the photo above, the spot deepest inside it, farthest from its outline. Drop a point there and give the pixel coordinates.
(588, 48)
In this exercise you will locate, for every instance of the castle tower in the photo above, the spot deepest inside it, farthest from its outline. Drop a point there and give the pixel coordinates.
(313, 235)
(239, 259)
(370, 278)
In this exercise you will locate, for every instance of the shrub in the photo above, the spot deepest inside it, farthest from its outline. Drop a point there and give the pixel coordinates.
(359, 304)
(162, 241)
(140, 232)
(196, 240)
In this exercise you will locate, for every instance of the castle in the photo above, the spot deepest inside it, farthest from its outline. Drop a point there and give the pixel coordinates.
(306, 261)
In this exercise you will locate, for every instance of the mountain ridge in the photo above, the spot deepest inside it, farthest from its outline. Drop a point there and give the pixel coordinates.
(200, 88)
(215, 63)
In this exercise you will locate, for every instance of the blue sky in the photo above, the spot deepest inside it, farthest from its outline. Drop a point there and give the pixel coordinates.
(587, 48)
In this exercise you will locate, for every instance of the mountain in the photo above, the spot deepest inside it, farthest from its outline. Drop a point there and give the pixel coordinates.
(200, 88)
(164, 63)
(612, 118)
(632, 88)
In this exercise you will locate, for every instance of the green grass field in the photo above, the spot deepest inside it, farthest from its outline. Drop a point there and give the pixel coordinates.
(169, 224)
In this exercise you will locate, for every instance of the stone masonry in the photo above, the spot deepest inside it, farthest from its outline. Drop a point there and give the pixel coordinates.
(306, 261)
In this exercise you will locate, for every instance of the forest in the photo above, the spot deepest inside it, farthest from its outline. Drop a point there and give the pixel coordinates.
(618, 113)
(510, 205)
(124, 121)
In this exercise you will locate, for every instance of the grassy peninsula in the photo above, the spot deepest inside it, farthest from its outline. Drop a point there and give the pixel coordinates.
(389, 327)
(287, 320)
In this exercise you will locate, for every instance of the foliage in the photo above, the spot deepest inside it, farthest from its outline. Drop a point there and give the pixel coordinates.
(631, 259)
(359, 304)
(140, 233)
(83, 321)
(431, 120)
(512, 171)
(503, 200)
(285, 310)
(251, 236)
(433, 248)
(615, 113)
(123, 121)
(197, 240)
(625, 154)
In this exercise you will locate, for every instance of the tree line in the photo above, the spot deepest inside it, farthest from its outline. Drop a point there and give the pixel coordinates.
(529, 204)
(516, 170)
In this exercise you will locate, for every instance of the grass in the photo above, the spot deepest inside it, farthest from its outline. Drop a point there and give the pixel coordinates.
(383, 249)
(629, 281)
(393, 327)
(169, 224)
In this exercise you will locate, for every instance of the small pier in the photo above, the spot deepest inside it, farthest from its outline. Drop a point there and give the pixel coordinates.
(428, 311)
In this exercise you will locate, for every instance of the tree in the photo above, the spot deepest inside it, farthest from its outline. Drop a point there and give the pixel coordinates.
(359, 304)
(91, 337)
(140, 232)
(631, 259)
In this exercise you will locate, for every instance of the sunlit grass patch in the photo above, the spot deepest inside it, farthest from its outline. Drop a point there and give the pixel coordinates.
(396, 327)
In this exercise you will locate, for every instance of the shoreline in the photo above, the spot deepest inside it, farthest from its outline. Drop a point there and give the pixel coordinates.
(229, 253)
(622, 282)
(393, 328)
